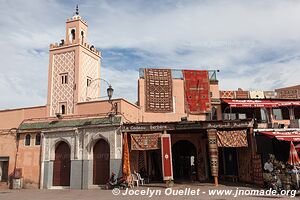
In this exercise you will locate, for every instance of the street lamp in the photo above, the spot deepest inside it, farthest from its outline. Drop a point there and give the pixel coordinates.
(95, 84)
(110, 92)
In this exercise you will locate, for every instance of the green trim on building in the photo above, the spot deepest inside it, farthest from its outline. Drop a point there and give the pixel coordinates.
(71, 123)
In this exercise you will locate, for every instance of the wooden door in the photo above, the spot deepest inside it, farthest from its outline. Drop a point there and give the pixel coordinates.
(101, 162)
(62, 165)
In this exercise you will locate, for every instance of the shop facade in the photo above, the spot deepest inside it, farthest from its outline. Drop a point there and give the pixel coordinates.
(200, 151)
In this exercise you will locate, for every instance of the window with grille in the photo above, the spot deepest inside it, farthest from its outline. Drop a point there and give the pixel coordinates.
(88, 81)
(64, 78)
(38, 139)
(27, 140)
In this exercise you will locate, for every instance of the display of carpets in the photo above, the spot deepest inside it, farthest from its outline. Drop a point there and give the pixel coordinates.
(213, 152)
(158, 90)
(126, 156)
(145, 141)
(257, 175)
(258, 94)
(197, 91)
(227, 95)
(242, 94)
(141, 162)
(289, 92)
(236, 138)
(270, 94)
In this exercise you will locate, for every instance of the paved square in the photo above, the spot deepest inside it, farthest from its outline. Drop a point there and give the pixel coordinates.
(144, 193)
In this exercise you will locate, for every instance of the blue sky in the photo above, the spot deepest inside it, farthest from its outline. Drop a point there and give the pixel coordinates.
(255, 44)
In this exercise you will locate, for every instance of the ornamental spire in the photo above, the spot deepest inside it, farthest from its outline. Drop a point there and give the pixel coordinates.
(77, 10)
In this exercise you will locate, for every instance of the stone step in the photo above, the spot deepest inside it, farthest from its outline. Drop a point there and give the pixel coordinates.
(3, 185)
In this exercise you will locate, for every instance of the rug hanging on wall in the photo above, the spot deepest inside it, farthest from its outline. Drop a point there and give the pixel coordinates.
(141, 162)
(237, 138)
(227, 94)
(242, 94)
(145, 141)
(197, 91)
(158, 90)
(126, 156)
(213, 152)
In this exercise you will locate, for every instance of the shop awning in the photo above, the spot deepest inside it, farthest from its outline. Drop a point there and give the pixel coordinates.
(250, 103)
(259, 103)
(289, 103)
(293, 136)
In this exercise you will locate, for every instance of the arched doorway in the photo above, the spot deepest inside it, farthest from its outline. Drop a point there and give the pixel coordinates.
(101, 162)
(184, 160)
(62, 165)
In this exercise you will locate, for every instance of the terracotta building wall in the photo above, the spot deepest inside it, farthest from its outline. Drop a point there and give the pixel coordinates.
(288, 92)
(130, 112)
(29, 160)
(215, 91)
(127, 109)
(12, 118)
(8, 149)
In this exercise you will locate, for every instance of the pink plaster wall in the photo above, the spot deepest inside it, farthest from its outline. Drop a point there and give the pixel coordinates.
(13, 117)
(179, 108)
(129, 111)
(8, 149)
(29, 160)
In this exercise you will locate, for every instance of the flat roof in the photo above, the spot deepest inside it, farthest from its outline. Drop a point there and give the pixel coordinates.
(70, 123)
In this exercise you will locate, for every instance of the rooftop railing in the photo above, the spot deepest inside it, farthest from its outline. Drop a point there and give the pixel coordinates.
(177, 74)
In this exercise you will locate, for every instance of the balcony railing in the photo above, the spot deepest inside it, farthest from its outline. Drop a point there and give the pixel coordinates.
(177, 74)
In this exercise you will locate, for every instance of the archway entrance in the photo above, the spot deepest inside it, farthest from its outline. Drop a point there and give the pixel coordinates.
(184, 161)
(62, 165)
(101, 162)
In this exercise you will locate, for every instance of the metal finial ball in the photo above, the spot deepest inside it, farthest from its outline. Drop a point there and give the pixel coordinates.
(77, 10)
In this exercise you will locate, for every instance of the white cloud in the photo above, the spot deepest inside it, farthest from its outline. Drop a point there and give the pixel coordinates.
(255, 44)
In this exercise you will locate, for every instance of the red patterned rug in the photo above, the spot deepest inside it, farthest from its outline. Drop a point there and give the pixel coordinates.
(197, 91)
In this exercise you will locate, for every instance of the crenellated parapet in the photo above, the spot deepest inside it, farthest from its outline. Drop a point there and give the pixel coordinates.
(76, 17)
(66, 44)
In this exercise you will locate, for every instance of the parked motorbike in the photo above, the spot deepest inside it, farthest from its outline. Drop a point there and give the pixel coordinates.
(119, 183)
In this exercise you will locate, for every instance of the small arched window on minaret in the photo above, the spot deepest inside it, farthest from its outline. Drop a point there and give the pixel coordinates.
(82, 37)
(73, 34)
(63, 109)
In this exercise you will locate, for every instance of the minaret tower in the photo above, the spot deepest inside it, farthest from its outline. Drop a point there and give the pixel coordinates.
(73, 65)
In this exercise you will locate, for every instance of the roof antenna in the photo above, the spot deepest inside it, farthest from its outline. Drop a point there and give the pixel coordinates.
(77, 10)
